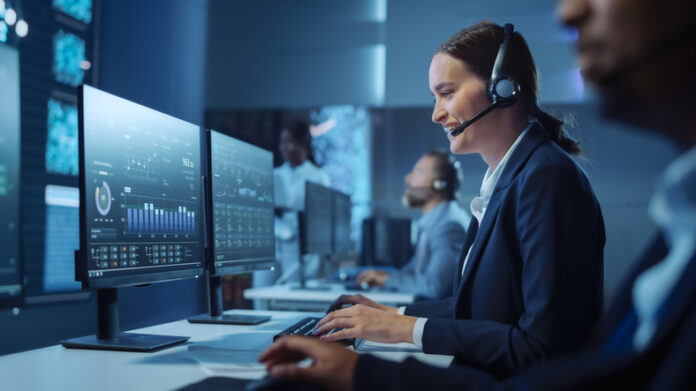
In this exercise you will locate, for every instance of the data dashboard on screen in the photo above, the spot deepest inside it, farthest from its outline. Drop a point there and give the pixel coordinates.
(10, 279)
(142, 192)
(242, 204)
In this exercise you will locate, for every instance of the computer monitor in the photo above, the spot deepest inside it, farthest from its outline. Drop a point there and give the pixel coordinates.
(341, 224)
(317, 220)
(315, 227)
(10, 268)
(386, 241)
(241, 221)
(140, 208)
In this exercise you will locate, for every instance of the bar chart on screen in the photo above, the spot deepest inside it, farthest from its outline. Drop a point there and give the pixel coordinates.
(158, 216)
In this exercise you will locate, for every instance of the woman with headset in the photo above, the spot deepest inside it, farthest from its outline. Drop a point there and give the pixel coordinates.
(529, 281)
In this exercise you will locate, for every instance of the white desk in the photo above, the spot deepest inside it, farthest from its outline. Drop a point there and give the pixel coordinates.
(57, 368)
(290, 297)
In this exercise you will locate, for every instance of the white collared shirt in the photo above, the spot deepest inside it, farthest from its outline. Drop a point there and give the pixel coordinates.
(478, 209)
(673, 208)
(490, 180)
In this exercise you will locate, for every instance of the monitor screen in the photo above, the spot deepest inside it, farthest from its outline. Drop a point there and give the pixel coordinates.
(241, 195)
(140, 193)
(10, 279)
(341, 223)
(317, 220)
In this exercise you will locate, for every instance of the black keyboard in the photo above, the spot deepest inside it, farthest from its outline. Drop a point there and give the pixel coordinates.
(305, 327)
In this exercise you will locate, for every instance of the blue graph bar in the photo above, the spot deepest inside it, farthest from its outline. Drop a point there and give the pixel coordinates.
(152, 220)
(130, 220)
(145, 222)
(193, 221)
(140, 220)
(183, 216)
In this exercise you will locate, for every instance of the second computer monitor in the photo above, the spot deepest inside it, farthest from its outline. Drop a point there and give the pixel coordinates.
(317, 220)
(341, 223)
(241, 199)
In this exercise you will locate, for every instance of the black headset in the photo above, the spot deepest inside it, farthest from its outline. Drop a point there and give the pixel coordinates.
(451, 179)
(503, 91)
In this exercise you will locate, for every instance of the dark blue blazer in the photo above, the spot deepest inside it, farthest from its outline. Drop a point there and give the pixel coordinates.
(667, 363)
(532, 286)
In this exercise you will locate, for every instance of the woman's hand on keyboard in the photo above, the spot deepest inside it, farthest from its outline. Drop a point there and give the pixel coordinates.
(360, 321)
(345, 300)
(332, 367)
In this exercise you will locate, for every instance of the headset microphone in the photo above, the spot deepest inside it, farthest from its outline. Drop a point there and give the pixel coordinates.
(502, 90)
(459, 129)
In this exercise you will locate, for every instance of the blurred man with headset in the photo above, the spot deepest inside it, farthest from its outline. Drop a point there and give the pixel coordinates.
(430, 187)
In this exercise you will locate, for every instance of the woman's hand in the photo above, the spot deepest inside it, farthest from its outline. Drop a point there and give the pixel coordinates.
(373, 277)
(332, 368)
(360, 321)
(358, 299)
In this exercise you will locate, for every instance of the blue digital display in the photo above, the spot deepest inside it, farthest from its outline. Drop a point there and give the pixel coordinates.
(10, 281)
(142, 193)
(68, 57)
(78, 9)
(242, 197)
(62, 238)
(61, 143)
(3, 31)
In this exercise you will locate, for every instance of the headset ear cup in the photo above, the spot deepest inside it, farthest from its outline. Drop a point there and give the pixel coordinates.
(439, 184)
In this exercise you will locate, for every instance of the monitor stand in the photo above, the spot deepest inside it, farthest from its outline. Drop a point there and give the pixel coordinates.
(108, 336)
(216, 316)
(303, 279)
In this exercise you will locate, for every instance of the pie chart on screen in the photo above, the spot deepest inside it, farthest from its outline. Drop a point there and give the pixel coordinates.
(102, 196)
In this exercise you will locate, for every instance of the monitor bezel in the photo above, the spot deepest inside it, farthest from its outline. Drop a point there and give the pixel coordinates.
(81, 261)
(231, 269)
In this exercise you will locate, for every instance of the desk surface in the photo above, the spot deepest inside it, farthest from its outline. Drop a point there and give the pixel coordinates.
(208, 353)
(292, 293)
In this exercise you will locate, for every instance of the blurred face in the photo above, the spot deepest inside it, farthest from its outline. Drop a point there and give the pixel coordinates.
(459, 96)
(635, 51)
(609, 32)
(292, 151)
(419, 183)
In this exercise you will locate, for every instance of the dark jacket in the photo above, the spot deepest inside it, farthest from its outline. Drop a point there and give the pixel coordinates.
(532, 286)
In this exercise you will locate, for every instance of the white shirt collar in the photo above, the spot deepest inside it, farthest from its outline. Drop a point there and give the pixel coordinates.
(490, 180)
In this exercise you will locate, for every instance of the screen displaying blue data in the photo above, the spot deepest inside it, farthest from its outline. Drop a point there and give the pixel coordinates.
(62, 238)
(10, 281)
(242, 199)
(142, 191)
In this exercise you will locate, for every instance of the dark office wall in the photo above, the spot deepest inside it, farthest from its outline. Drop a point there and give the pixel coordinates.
(153, 52)
(622, 164)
